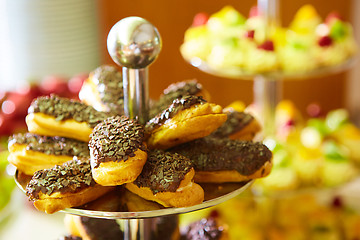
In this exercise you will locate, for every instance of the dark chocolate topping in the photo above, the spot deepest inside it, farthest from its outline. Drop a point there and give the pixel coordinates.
(72, 177)
(64, 108)
(215, 154)
(51, 145)
(174, 91)
(235, 122)
(163, 171)
(101, 229)
(176, 106)
(205, 229)
(110, 87)
(183, 88)
(116, 139)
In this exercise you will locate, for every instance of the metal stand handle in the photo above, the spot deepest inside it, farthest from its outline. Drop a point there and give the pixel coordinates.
(134, 43)
(267, 94)
(268, 91)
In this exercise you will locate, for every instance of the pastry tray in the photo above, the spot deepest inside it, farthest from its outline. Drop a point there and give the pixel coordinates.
(122, 204)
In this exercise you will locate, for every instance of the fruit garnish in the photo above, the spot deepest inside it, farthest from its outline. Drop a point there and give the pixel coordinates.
(254, 12)
(298, 45)
(338, 30)
(311, 138)
(337, 202)
(214, 214)
(227, 16)
(200, 19)
(322, 30)
(313, 110)
(267, 46)
(306, 12)
(333, 16)
(325, 41)
(319, 125)
(195, 33)
(305, 20)
(334, 151)
(250, 34)
(336, 118)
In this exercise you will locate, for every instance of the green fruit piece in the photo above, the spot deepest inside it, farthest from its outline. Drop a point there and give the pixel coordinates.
(230, 42)
(336, 118)
(228, 16)
(319, 125)
(333, 151)
(298, 46)
(338, 30)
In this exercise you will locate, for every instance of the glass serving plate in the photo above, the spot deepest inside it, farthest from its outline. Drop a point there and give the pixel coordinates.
(116, 204)
(239, 73)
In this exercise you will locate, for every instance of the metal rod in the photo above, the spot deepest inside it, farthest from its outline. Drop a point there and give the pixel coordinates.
(134, 43)
(136, 93)
(268, 91)
(132, 229)
(267, 94)
(269, 9)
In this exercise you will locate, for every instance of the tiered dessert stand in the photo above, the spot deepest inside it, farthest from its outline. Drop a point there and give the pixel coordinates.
(267, 92)
(134, 44)
(267, 88)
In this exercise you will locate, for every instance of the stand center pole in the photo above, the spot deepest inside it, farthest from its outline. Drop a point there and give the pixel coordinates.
(267, 94)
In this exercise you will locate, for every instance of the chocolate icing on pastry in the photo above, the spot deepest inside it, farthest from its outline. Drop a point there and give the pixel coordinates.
(174, 91)
(163, 171)
(176, 106)
(180, 89)
(234, 123)
(215, 154)
(64, 108)
(101, 229)
(72, 177)
(116, 139)
(205, 229)
(110, 87)
(51, 145)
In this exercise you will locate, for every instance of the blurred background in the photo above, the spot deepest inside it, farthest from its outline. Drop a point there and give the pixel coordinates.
(64, 38)
(172, 19)
(51, 46)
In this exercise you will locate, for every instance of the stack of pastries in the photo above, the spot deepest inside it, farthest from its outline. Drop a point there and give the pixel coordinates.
(78, 151)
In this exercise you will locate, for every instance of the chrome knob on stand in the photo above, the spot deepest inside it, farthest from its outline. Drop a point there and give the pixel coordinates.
(134, 43)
